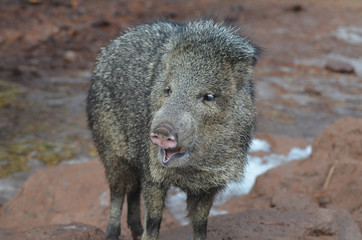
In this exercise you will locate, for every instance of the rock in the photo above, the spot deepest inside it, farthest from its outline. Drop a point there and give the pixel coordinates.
(101, 23)
(35, 2)
(26, 71)
(69, 56)
(65, 194)
(341, 141)
(295, 8)
(331, 178)
(277, 224)
(74, 231)
(340, 66)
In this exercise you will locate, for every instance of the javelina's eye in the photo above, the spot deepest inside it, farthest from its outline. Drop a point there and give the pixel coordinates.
(167, 90)
(209, 97)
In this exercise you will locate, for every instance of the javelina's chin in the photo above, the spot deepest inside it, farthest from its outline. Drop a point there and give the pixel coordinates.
(173, 157)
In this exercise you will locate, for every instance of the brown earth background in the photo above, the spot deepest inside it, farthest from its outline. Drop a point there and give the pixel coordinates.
(309, 77)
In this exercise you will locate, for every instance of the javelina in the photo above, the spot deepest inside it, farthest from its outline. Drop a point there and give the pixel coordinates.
(172, 104)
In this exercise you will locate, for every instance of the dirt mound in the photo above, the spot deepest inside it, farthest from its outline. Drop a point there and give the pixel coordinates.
(263, 224)
(77, 231)
(331, 178)
(65, 194)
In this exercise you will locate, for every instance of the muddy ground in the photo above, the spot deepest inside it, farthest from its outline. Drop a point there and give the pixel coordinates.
(48, 49)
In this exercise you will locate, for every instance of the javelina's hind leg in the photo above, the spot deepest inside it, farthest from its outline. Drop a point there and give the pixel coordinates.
(154, 198)
(133, 215)
(198, 207)
(117, 196)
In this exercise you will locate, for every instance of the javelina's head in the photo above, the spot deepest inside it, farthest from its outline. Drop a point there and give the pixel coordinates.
(203, 107)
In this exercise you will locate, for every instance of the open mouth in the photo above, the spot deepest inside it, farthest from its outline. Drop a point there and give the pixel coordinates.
(171, 153)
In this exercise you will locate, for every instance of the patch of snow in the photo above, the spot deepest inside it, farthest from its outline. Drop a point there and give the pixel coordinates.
(75, 227)
(259, 145)
(297, 153)
(103, 200)
(77, 161)
(176, 203)
(286, 69)
(176, 199)
(301, 99)
(259, 165)
(351, 34)
(215, 212)
(311, 62)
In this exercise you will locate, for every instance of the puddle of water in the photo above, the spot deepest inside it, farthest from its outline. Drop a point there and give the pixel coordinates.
(10, 186)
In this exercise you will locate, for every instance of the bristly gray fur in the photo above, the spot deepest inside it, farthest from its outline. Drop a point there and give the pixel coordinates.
(127, 101)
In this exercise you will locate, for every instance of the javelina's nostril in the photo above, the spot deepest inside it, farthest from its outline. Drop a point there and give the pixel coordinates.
(154, 136)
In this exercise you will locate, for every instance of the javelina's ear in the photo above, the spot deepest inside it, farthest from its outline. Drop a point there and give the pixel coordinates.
(257, 53)
(243, 68)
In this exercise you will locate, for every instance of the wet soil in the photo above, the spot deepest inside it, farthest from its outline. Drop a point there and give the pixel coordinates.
(48, 50)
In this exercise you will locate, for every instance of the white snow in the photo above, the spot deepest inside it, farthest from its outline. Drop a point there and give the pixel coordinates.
(259, 145)
(76, 161)
(176, 204)
(351, 34)
(74, 227)
(256, 167)
(104, 199)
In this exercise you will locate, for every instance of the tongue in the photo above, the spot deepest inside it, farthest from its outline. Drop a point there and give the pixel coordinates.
(170, 152)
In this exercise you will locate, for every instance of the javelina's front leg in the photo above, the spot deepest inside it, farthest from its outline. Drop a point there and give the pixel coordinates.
(133, 214)
(113, 228)
(154, 198)
(198, 207)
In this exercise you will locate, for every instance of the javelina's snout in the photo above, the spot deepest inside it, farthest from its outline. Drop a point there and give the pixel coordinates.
(164, 136)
